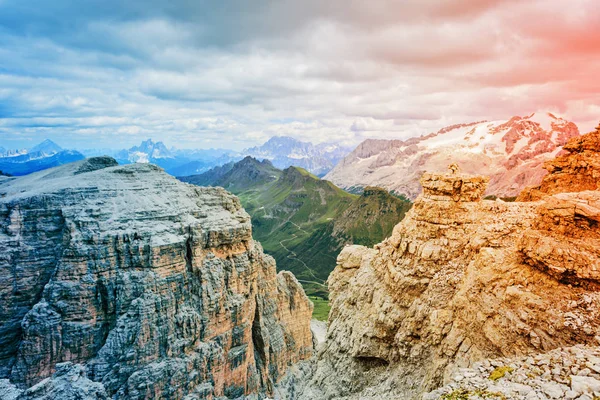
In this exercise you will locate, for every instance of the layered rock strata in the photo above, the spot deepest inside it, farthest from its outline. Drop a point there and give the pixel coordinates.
(575, 171)
(145, 286)
(460, 280)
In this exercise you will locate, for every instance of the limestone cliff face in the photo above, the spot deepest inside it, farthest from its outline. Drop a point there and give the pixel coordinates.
(154, 286)
(460, 280)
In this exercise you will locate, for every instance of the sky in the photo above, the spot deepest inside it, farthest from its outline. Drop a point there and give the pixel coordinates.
(233, 73)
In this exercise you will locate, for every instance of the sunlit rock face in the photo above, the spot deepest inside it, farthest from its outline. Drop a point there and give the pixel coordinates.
(510, 152)
(140, 285)
(577, 170)
(461, 280)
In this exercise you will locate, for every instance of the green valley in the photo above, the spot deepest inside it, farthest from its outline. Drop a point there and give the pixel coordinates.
(304, 221)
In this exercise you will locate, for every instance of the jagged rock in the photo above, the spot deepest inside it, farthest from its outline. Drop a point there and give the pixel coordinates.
(576, 171)
(460, 280)
(69, 382)
(564, 240)
(453, 186)
(155, 287)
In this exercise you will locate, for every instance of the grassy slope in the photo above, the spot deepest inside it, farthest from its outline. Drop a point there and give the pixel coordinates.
(288, 214)
(321, 310)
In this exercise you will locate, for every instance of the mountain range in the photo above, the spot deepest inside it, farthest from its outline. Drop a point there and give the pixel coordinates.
(121, 282)
(42, 156)
(304, 221)
(285, 151)
(282, 151)
(511, 152)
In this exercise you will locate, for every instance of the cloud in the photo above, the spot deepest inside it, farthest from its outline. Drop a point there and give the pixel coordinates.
(232, 74)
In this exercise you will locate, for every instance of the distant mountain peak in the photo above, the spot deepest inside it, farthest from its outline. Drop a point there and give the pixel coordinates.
(148, 151)
(546, 120)
(48, 142)
(284, 140)
(237, 177)
(46, 147)
(299, 171)
(248, 160)
(284, 151)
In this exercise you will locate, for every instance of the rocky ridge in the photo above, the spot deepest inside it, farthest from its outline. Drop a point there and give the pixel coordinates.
(510, 152)
(460, 280)
(121, 281)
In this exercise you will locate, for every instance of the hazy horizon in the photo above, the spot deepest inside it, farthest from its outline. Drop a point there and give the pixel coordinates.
(233, 75)
(122, 146)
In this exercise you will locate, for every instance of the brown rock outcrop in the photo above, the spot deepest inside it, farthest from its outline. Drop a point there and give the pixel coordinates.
(575, 171)
(565, 239)
(460, 280)
(154, 286)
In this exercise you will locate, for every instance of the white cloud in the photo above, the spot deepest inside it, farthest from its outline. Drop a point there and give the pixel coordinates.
(312, 69)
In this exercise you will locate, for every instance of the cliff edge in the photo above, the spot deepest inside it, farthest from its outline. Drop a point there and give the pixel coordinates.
(122, 282)
(461, 280)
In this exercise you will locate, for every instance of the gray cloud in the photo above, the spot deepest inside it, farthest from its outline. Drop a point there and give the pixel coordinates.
(233, 73)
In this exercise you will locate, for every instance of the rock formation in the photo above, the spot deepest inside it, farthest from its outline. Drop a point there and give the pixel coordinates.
(510, 152)
(568, 373)
(460, 280)
(121, 281)
(575, 171)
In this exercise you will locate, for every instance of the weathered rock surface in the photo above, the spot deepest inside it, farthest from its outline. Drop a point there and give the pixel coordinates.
(69, 382)
(569, 373)
(510, 152)
(460, 280)
(576, 171)
(153, 287)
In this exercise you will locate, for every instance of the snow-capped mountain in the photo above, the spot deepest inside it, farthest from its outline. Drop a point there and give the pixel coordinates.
(285, 151)
(177, 162)
(282, 151)
(510, 152)
(42, 156)
(147, 152)
(47, 147)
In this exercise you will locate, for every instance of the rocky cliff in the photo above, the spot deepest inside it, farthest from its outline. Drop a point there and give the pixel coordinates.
(460, 280)
(511, 152)
(578, 169)
(122, 282)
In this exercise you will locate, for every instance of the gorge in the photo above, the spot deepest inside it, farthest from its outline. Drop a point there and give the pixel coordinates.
(122, 282)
